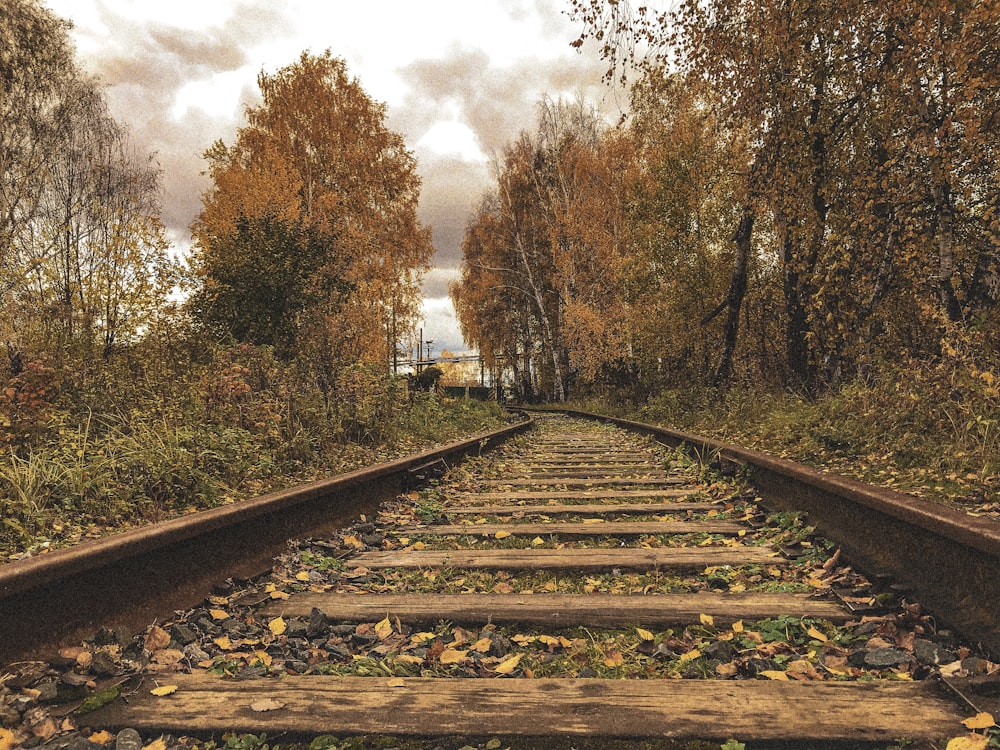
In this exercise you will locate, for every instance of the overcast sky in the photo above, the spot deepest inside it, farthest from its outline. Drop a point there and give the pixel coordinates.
(460, 79)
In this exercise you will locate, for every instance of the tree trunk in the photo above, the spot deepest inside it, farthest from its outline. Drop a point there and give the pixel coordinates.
(734, 299)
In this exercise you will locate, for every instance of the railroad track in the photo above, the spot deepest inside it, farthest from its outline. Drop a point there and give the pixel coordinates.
(590, 584)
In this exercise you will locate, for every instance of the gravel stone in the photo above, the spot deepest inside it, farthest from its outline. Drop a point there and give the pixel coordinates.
(886, 657)
(930, 653)
(318, 624)
(183, 634)
(128, 739)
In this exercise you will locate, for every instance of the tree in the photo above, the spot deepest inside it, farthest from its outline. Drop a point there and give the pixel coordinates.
(83, 261)
(308, 238)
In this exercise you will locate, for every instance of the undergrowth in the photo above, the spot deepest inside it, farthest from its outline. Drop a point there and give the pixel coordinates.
(928, 429)
(104, 471)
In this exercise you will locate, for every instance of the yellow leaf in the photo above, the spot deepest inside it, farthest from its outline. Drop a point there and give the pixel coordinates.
(538, 541)
(738, 626)
(383, 629)
(452, 656)
(6, 739)
(969, 742)
(980, 721)
(162, 690)
(302, 575)
(157, 744)
(409, 659)
(277, 626)
(418, 546)
(508, 666)
(644, 634)
(774, 674)
(223, 642)
(421, 637)
(218, 614)
(814, 633)
(707, 620)
(396, 682)
(353, 541)
(502, 534)
(279, 595)
(692, 654)
(548, 640)
(482, 645)
(263, 657)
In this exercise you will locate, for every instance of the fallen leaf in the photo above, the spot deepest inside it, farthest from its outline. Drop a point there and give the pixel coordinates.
(280, 595)
(156, 639)
(223, 642)
(814, 633)
(409, 659)
(452, 656)
(502, 587)
(266, 704)
(277, 625)
(302, 575)
(981, 720)
(969, 742)
(168, 656)
(98, 738)
(692, 654)
(508, 666)
(162, 690)
(482, 645)
(613, 658)
(6, 739)
(501, 535)
(157, 744)
(218, 614)
(738, 626)
(263, 657)
(353, 541)
(383, 629)
(396, 682)
(538, 541)
(418, 546)
(774, 674)
(707, 620)
(644, 634)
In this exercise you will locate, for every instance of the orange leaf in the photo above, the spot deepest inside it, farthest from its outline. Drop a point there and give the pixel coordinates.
(162, 690)
(277, 626)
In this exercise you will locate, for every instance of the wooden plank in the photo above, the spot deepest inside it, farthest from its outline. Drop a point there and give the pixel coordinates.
(685, 558)
(645, 471)
(582, 508)
(575, 494)
(575, 528)
(559, 610)
(539, 481)
(876, 711)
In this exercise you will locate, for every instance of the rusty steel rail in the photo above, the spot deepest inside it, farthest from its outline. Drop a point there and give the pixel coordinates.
(130, 579)
(949, 560)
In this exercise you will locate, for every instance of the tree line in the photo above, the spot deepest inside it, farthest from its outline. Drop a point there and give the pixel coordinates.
(799, 193)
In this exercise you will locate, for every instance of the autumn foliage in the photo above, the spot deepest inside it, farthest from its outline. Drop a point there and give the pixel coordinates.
(799, 194)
